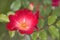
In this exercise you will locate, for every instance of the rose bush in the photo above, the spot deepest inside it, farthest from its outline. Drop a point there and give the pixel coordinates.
(29, 19)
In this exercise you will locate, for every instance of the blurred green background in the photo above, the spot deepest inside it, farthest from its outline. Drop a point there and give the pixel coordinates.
(50, 25)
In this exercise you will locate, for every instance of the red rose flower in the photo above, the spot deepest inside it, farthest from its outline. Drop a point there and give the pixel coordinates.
(24, 21)
(55, 2)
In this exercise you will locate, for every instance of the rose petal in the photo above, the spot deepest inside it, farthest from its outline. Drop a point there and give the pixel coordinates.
(55, 2)
(30, 31)
(11, 27)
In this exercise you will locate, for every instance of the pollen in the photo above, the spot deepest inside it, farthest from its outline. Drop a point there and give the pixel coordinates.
(23, 26)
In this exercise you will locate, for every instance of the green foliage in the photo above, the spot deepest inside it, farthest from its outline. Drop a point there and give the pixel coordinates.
(45, 10)
(11, 33)
(15, 5)
(41, 23)
(58, 24)
(10, 13)
(56, 11)
(34, 36)
(47, 2)
(43, 35)
(54, 32)
(3, 18)
(25, 3)
(5, 6)
(52, 19)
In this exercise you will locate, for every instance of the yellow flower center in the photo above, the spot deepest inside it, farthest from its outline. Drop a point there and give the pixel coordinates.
(23, 26)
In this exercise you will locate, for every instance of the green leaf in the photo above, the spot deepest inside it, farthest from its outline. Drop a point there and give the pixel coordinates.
(43, 35)
(12, 33)
(41, 10)
(58, 24)
(10, 13)
(3, 18)
(52, 19)
(15, 5)
(41, 23)
(53, 31)
(25, 3)
(47, 2)
(34, 35)
(56, 11)
(45, 10)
